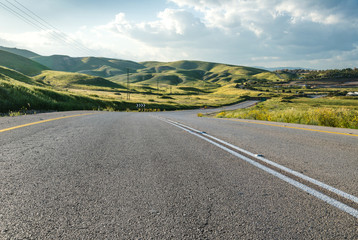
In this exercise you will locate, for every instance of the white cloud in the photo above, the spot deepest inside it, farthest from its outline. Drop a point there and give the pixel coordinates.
(39, 40)
(173, 25)
(308, 11)
(248, 32)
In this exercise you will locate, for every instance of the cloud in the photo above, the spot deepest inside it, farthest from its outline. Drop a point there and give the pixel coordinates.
(30, 40)
(4, 42)
(247, 32)
(172, 26)
(291, 29)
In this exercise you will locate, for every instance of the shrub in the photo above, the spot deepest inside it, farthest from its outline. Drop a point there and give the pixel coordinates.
(331, 117)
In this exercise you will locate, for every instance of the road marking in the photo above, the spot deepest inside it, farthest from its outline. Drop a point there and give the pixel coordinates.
(271, 163)
(43, 121)
(284, 126)
(313, 192)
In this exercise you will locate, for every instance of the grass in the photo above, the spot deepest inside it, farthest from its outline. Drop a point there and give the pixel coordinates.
(20, 64)
(195, 73)
(7, 72)
(102, 67)
(74, 80)
(333, 112)
(17, 96)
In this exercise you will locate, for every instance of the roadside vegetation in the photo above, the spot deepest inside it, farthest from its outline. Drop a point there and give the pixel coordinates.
(333, 112)
(30, 82)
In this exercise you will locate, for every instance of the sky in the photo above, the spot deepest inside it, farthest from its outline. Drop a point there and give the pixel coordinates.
(317, 34)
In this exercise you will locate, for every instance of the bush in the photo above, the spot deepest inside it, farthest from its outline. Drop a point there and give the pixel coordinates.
(331, 117)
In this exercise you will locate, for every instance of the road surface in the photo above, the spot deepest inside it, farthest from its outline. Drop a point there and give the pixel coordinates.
(95, 175)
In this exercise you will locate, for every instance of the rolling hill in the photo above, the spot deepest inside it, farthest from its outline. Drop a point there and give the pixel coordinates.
(17, 97)
(191, 73)
(20, 93)
(101, 67)
(99, 82)
(9, 73)
(196, 73)
(74, 80)
(20, 64)
(20, 52)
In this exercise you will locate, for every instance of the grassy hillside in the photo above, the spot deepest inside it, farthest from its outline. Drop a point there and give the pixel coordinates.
(74, 80)
(20, 64)
(7, 72)
(16, 95)
(195, 74)
(184, 64)
(19, 97)
(102, 67)
(20, 52)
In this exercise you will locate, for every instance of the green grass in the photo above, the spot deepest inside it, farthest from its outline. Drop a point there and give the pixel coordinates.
(74, 80)
(102, 67)
(6, 72)
(20, 64)
(184, 65)
(333, 112)
(17, 96)
(196, 74)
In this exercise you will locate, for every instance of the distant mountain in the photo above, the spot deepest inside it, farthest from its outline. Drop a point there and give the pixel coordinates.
(195, 73)
(20, 52)
(185, 72)
(20, 68)
(281, 68)
(172, 73)
(102, 67)
(21, 64)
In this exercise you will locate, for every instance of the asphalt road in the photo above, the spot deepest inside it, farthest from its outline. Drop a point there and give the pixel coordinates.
(138, 176)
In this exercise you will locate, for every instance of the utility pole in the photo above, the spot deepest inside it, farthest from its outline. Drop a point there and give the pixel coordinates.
(128, 93)
(158, 88)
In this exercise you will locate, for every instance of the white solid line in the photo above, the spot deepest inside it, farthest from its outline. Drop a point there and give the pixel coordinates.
(297, 174)
(299, 185)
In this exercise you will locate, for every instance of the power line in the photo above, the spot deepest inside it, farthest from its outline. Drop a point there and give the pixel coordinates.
(28, 20)
(19, 15)
(36, 21)
(51, 26)
(35, 14)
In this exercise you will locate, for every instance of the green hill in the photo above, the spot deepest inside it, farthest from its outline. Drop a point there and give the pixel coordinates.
(101, 67)
(9, 73)
(68, 79)
(184, 64)
(196, 73)
(17, 97)
(20, 52)
(97, 83)
(20, 64)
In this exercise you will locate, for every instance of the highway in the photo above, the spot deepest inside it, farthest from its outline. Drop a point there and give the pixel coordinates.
(173, 175)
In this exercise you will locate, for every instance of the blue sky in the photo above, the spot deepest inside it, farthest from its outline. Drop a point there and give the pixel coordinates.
(317, 34)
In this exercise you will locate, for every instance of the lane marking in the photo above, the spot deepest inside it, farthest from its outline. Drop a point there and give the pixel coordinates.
(331, 201)
(271, 163)
(43, 121)
(283, 126)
